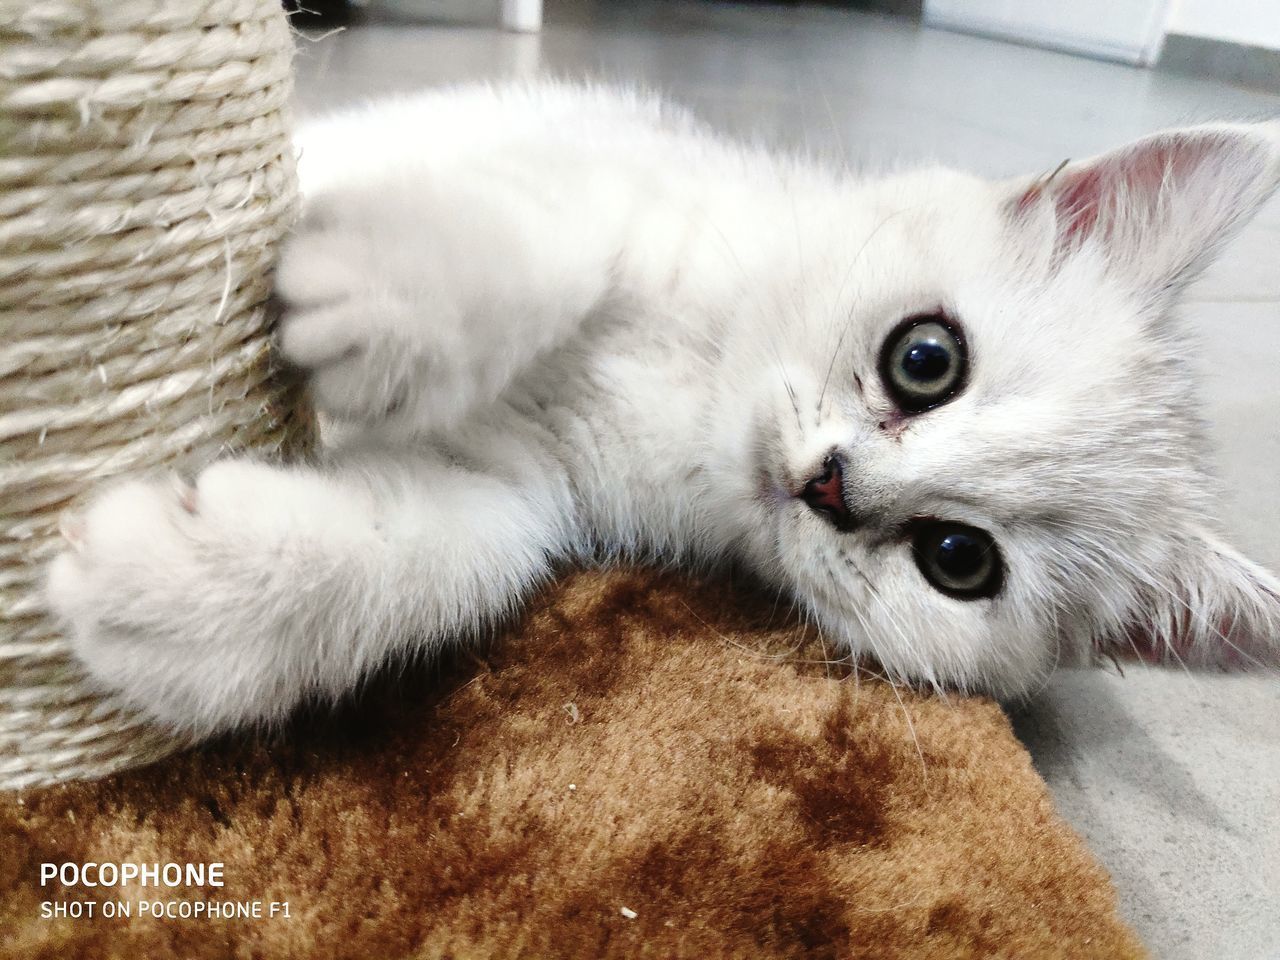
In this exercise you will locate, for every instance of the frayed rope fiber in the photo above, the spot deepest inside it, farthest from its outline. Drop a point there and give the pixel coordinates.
(146, 176)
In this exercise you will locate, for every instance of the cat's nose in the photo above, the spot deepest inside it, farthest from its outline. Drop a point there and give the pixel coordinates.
(825, 494)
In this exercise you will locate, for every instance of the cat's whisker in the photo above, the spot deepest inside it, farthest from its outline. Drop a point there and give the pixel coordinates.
(831, 116)
(777, 598)
(848, 322)
(725, 638)
(887, 677)
(1055, 632)
(822, 640)
(911, 726)
(731, 254)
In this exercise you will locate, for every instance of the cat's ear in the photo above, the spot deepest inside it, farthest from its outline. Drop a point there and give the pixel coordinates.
(1214, 608)
(1158, 208)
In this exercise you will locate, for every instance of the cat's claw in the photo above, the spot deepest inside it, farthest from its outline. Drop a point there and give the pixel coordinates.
(72, 529)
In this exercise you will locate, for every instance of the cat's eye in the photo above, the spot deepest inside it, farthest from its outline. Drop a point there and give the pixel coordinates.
(923, 363)
(959, 560)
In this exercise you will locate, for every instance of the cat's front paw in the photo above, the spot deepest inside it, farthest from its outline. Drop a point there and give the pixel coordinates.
(374, 319)
(159, 600)
(339, 328)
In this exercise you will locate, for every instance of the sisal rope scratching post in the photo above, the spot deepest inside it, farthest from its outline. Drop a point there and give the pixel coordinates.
(146, 175)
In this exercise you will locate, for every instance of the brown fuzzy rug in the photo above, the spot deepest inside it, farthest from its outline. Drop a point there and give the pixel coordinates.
(634, 771)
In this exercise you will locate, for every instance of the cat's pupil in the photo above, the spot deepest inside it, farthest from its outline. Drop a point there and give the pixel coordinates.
(960, 555)
(927, 361)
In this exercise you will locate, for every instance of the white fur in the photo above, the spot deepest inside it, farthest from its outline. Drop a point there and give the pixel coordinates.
(573, 324)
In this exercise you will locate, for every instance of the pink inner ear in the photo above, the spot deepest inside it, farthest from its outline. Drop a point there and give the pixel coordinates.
(1147, 647)
(1079, 201)
(1227, 645)
(1127, 183)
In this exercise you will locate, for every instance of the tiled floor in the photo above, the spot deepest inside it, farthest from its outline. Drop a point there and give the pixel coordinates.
(1174, 780)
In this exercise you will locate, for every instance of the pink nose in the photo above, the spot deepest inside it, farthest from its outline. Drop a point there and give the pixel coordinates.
(825, 493)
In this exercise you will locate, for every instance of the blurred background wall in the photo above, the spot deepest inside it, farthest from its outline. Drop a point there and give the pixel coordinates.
(1233, 40)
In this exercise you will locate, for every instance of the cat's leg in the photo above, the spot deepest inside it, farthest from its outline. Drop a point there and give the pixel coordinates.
(416, 296)
(230, 600)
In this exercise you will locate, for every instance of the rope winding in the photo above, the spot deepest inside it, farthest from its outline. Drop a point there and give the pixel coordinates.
(146, 176)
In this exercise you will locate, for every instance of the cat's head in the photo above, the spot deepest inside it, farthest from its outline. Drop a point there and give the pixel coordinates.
(974, 442)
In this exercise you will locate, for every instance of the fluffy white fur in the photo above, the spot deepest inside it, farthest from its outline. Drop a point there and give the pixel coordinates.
(574, 324)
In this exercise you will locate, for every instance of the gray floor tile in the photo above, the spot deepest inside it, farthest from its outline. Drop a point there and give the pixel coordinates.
(1250, 268)
(1170, 778)
(1241, 362)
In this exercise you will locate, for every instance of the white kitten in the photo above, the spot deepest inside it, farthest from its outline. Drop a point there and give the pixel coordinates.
(951, 417)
